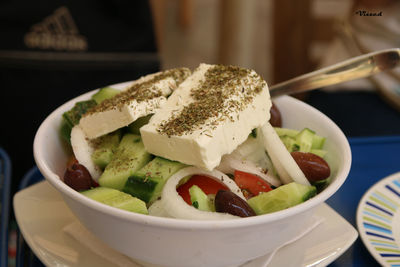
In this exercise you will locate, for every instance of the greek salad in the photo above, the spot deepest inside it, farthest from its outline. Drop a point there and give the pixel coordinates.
(274, 168)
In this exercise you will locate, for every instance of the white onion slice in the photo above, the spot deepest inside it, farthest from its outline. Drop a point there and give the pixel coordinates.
(157, 209)
(253, 150)
(83, 151)
(281, 157)
(283, 174)
(229, 164)
(176, 207)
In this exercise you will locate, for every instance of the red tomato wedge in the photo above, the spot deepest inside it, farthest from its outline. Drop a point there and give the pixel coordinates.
(251, 184)
(207, 184)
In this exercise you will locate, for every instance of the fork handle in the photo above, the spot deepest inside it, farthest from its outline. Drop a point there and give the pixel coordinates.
(350, 69)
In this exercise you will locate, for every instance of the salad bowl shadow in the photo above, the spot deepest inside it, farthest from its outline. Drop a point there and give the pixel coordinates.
(176, 242)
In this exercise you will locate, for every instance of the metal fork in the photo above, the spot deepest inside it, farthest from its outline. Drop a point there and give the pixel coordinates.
(351, 69)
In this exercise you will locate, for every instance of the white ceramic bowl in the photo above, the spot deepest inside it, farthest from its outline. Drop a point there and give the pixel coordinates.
(174, 242)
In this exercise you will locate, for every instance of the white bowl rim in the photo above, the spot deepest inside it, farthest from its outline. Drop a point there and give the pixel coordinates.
(173, 223)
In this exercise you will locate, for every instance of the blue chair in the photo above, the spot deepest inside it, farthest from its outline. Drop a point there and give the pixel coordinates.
(5, 186)
(25, 257)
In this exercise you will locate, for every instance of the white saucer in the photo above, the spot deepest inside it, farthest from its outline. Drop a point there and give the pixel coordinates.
(42, 214)
(378, 220)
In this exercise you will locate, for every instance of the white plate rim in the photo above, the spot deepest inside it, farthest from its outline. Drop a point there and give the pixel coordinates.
(323, 261)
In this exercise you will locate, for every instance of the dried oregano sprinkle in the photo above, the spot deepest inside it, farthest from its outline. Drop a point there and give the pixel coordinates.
(141, 91)
(223, 91)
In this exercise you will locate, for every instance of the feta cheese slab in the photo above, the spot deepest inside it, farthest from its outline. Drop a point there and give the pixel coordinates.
(143, 97)
(208, 115)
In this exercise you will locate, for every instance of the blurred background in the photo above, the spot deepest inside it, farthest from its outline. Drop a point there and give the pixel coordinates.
(52, 51)
(262, 35)
(279, 39)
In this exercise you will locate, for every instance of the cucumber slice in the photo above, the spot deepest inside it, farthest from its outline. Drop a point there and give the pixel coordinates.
(65, 130)
(137, 124)
(73, 115)
(283, 197)
(104, 93)
(129, 157)
(117, 199)
(290, 143)
(318, 142)
(319, 152)
(322, 184)
(253, 133)
(305, 139)
(200, 200)
(286, 131)
(104, 194)
(148, 182)
(105, 147)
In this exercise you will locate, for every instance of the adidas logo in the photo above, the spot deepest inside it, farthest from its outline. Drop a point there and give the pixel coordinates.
(57, 31)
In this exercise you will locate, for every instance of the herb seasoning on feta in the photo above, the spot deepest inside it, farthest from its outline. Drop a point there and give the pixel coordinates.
(223, 90)
(141, 91)
(141, 98)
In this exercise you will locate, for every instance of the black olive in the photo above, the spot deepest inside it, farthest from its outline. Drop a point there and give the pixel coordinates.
(276, 118)
(229, 202)
(78, 177)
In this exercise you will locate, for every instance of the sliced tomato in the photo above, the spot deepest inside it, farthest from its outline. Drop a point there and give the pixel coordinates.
(251, 184)
(207, 184)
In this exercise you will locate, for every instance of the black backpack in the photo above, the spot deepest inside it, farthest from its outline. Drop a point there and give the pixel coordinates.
(52, 51)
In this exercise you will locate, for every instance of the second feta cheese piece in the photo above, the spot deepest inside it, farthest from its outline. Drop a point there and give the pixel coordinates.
(209, 115)
(141, 98)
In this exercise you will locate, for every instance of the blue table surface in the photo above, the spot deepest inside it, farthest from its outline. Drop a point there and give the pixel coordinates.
(374, 158)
